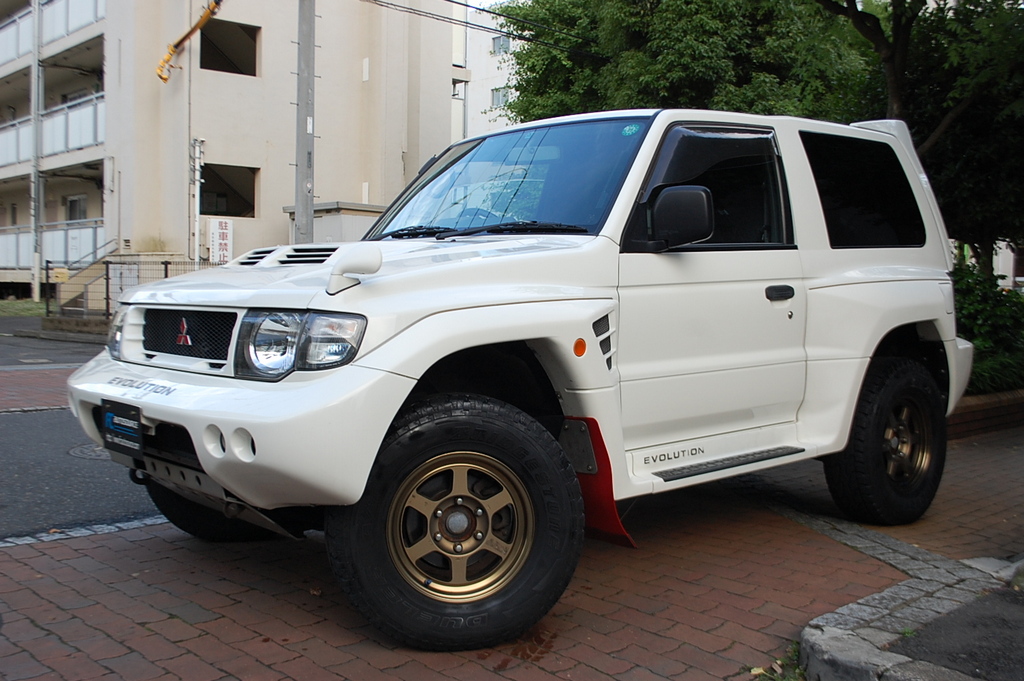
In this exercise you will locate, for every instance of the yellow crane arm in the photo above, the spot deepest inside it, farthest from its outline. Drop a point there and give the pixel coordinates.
(163, 68)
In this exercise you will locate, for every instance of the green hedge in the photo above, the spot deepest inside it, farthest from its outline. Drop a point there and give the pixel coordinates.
(993, 319)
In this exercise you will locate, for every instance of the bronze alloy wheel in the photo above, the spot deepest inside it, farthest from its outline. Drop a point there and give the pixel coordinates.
(906, 444)
(460, 527)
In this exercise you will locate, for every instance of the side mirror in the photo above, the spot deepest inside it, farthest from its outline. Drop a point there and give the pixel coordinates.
(682, 215)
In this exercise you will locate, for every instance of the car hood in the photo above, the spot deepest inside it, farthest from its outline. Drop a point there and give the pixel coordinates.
(297, 276)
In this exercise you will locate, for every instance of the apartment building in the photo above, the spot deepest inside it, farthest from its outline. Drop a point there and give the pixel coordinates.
(86, 124)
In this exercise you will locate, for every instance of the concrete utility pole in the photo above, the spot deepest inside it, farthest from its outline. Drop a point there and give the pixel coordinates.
(304, 125)
(36, 199)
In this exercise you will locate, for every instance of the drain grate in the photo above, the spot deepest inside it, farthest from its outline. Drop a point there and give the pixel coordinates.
(90, 451)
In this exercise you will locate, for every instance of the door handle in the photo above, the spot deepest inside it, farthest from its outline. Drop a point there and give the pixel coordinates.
(779, 292)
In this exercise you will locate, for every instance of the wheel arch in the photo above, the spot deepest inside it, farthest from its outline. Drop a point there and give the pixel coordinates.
(921, 342)
(509, 371)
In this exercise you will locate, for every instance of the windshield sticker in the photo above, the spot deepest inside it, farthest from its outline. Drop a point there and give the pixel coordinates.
(630, 129)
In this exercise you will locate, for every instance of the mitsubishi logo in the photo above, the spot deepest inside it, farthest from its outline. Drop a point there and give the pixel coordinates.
(183, 337)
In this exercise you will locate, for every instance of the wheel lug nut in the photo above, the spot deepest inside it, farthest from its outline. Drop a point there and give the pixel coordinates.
(438, 513)
(479, 535)
(458, 501)
(479, 511)
(437, 537)
(458, 548)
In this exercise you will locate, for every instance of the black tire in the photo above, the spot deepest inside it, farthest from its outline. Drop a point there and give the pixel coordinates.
(890, 470)
(201, 521)
(469, 530)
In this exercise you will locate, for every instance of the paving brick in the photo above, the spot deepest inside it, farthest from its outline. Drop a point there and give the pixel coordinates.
(78, 667)
(191, 667)
(603, 662)
(133, 666)
(21, 666)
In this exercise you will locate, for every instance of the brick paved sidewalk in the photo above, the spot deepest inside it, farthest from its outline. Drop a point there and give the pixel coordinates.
(24, 387)
(718, 585)
(977, 513)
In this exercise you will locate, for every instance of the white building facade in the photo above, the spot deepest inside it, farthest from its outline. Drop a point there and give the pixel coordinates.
(88, 127)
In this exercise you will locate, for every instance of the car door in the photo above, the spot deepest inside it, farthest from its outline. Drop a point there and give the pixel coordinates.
(711, 335)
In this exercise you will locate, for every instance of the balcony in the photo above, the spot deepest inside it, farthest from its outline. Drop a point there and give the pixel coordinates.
(64, 17)
(16, 37)
(80, 124)
(16, 142)
(75, 241)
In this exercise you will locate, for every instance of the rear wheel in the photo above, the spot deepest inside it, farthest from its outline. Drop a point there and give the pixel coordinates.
(201, 521)
(891, 469)
(469, 530)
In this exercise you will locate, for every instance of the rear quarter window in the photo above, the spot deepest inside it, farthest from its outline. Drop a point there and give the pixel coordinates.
(865, 195)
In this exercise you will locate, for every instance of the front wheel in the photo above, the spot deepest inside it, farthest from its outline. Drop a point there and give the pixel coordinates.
(469, 530)
(891, 468)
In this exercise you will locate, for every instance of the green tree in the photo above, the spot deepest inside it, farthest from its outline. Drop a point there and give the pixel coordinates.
(965, 103)
(760, 56)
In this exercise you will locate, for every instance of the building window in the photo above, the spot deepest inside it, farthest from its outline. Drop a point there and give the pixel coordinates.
(14, 214)
(76, 207)
(228, 191)
(458, 89)
(228, 47)
(499, 97)
(501, 44)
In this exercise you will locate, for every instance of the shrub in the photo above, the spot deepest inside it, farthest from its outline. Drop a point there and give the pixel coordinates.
(993, 319)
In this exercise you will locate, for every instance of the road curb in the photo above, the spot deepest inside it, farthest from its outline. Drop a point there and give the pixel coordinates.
(67, 336)
(850, 643)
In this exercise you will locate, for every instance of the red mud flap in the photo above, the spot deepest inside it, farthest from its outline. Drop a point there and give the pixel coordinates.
(602, 515)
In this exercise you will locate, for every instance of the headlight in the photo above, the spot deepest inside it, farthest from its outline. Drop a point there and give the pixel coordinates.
(330, 340)
(272, 344)
(114, 334)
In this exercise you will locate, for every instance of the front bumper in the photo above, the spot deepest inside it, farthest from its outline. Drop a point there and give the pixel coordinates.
(307, 440)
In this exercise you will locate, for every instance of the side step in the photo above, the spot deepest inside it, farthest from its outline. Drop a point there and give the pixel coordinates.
(722, 464)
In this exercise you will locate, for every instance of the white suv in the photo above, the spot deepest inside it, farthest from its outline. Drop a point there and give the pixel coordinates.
(549, 320)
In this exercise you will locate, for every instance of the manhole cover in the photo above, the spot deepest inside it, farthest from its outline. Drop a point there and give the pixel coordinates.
(90, 451)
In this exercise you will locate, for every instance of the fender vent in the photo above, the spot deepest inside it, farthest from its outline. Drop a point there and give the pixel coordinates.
(603, 333)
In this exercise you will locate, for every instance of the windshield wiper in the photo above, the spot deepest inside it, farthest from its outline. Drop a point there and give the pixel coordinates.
(415, 232)
(516, 227)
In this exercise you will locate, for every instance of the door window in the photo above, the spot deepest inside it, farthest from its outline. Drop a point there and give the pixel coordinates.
(742, 170)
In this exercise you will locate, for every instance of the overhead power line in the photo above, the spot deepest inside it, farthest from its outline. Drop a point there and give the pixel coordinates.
(550, 29)
(488, 29)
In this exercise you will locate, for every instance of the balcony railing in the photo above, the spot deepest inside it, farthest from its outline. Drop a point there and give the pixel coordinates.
(80, 124)
(16, 141)
(74, 241)
(16, 37)
(64, 17)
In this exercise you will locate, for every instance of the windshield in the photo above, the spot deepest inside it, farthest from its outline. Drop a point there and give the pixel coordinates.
(561, 178)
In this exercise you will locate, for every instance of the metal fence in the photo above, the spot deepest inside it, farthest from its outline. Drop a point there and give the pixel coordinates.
(74, 290)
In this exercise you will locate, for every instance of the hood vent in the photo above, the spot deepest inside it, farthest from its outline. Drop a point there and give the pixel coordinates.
(288, 255)
(253, 257)
(307, 255)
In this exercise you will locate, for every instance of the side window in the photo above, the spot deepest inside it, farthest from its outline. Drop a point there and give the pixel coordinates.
(865, 195)
(741, 168)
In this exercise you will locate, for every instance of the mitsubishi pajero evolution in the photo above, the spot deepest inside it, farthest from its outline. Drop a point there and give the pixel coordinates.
(551, 318)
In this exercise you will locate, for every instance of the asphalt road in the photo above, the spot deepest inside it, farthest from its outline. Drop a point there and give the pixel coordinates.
(51, 475)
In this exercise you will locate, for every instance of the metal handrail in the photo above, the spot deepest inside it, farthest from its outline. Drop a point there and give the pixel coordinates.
(94, 255)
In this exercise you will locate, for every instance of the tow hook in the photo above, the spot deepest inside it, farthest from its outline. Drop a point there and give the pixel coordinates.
(137, 476)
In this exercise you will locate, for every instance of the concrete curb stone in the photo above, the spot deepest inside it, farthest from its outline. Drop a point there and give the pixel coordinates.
(849, 643)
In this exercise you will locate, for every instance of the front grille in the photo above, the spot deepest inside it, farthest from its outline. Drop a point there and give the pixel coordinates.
(189, 333)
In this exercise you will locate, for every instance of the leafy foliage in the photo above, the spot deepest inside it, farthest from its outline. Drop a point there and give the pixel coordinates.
(969, 56)
(759, 56)
(993, 319)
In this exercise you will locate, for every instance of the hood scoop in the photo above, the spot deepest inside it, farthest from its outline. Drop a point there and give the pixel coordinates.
(288, 255)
